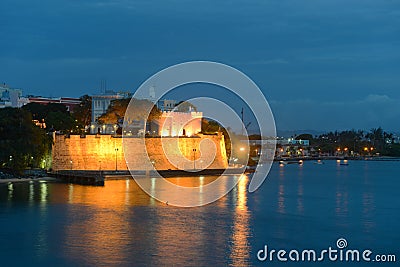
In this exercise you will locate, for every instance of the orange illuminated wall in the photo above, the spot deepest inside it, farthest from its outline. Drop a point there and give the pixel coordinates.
(105, 152)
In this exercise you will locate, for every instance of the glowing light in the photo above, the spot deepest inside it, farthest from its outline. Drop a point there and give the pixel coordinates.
(242, 149)
(345, 149)
(365, 148)
(372, 148)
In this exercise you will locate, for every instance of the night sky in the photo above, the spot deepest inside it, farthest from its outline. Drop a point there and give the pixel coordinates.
(322, 65)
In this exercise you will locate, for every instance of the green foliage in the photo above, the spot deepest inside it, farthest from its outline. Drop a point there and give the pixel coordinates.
(59, 121)
(185, 106)
(356, 141)
(22, 144)
(56, 116)
(83, 112)
(304, 137)
(138, 110)
(209, 126)
(393, 150)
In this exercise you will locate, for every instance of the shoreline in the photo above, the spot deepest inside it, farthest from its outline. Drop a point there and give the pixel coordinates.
(172, 174)
(370, 158)
(24, 180)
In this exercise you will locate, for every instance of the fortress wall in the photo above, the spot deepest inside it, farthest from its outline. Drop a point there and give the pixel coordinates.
(98, 153)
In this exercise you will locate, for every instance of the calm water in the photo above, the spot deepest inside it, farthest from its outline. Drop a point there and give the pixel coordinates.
(298, 207)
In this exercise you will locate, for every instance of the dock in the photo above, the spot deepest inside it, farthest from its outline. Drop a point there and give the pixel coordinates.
(79, 177)
(98, 177)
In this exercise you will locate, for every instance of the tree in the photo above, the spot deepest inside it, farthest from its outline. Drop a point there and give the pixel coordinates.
(21, 142)
(209, 126)
(304, 137)
(138, 110)
(185, 106)
(83, 112)
(376, 136)
(55, 115)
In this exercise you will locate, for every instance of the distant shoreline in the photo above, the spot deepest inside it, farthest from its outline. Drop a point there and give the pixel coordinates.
(24, 180)
(383, 158)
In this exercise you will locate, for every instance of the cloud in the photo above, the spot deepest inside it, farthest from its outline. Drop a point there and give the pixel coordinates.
(273, 61)
(364, 113)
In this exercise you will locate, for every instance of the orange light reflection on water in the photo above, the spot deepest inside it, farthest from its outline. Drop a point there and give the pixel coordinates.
(240, 236)
(106, 230)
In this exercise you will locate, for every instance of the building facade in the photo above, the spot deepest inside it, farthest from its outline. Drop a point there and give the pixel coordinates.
(100, 103)
(10, 97)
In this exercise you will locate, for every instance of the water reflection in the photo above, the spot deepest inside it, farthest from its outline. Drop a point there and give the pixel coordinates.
(281, 191)
(240, 249)
(368, 206)
(42, 240)
(104, 231)
(119, 225)
(300, 196)
(10, 191)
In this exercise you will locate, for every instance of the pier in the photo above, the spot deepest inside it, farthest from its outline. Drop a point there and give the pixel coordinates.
(79, 177)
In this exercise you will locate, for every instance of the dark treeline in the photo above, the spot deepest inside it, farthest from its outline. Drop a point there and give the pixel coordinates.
(26, 133)
(372, 142)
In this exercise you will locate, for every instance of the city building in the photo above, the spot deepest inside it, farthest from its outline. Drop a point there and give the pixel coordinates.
(100, 103)
(166, 104)
(69, 102)
(10, 97)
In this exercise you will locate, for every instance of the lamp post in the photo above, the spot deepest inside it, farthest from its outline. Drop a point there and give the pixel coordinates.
(116, 165)
(194, 158)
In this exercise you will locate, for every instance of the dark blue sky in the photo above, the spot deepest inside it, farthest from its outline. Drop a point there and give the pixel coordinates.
(321, 64)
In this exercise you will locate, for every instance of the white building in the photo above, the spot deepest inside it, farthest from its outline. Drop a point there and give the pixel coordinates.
(100, 103)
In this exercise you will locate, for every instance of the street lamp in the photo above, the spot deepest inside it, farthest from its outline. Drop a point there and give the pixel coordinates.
(194, 158)
(116, 166)
(71, 164)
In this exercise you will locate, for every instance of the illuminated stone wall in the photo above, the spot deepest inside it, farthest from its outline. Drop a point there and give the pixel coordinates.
(99, 153)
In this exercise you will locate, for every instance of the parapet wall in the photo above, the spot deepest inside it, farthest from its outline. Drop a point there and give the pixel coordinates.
(106, 152)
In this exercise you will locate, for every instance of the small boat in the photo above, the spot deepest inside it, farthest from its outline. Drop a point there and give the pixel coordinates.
(286, 162)
(319, 162)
